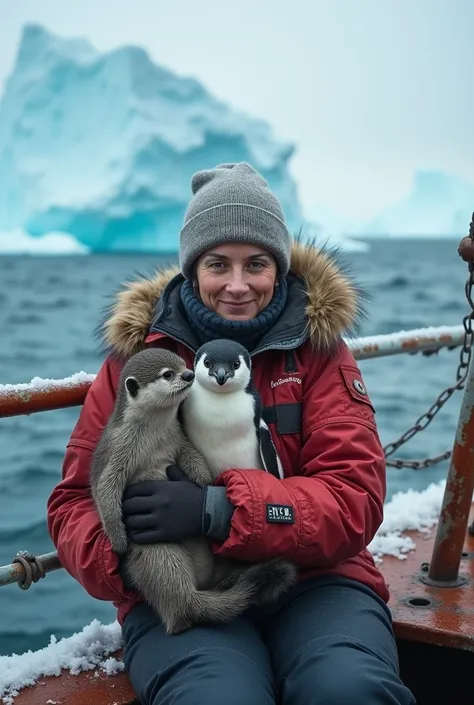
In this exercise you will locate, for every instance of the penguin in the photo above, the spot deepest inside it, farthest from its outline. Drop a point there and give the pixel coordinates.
(222, 415)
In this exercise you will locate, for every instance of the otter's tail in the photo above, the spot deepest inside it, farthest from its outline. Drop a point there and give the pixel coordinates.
(167, 583)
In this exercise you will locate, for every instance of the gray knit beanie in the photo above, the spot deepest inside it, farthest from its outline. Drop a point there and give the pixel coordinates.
(233, 203)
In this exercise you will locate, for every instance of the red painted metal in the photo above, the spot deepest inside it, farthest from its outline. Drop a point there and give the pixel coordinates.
(87, 688)
(29, 402)
(454, 515)
(443, 616)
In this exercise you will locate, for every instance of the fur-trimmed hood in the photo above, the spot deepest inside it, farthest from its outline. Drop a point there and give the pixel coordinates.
(335, 304)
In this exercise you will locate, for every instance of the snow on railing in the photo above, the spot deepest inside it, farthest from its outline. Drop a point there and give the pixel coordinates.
(45, 394)
(93, 648)
(38, 384)
(415, 340)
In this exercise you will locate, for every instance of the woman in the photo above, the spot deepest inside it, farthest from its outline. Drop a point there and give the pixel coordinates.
(329, 640)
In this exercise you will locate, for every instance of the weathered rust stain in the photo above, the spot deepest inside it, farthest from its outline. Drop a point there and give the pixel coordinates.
(24, 396)
(414, 342)
(448, 619)
(9, 573)
(88, 688)
(458, 495)
(26, 402)
(465, 419)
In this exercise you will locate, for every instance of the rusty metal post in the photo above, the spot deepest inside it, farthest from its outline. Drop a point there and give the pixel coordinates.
(454, 515)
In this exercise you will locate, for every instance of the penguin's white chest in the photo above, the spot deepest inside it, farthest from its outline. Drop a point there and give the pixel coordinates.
(221, 427)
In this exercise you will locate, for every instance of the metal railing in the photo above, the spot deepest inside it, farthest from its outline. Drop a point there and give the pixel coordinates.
(50, 395)
(46, 395)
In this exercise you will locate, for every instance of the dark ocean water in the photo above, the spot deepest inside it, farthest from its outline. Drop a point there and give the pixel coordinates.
(49, 308)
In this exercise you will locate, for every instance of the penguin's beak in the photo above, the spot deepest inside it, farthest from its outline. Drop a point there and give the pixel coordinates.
(221, 376)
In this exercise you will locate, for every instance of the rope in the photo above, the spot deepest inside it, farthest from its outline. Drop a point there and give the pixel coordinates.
(32, 566)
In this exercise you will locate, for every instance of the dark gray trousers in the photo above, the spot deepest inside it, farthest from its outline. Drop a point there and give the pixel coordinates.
(329, 641)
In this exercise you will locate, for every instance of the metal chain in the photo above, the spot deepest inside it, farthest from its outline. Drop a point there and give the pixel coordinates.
(464, 360)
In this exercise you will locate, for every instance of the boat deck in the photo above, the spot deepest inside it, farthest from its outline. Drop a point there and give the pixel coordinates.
(422, 614)
(433, 615)
(89, 688)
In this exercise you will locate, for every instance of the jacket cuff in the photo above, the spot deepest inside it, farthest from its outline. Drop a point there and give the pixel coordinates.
(217, 513)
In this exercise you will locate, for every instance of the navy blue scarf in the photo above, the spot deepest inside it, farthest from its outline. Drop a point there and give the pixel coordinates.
(208, 325)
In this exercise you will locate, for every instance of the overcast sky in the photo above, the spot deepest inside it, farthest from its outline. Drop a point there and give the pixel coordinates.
(368, 90)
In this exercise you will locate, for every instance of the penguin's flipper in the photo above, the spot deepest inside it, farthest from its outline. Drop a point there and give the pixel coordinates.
(268, 452)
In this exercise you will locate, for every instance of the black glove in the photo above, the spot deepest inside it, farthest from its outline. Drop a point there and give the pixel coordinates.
(164, 510)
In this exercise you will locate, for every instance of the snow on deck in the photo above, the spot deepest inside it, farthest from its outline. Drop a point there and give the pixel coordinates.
(38, 384)
(91, 648)
(410, 510)
(84, 651)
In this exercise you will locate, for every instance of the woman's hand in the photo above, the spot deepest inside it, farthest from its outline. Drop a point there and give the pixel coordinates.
(163, 510)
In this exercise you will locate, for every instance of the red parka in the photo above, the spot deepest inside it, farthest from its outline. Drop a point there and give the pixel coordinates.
(322, 423)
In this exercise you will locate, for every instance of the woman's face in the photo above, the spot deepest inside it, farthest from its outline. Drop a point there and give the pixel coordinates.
(236, 281)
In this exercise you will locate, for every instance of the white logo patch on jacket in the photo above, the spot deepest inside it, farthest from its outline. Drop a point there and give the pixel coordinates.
(284, 380)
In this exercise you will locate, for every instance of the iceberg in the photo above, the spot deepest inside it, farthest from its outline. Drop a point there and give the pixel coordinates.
(103, 146)
(335, 228)
(17, 242)
(439, 204)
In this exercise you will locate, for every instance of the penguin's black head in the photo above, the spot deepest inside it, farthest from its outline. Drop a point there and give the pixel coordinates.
(223, 366)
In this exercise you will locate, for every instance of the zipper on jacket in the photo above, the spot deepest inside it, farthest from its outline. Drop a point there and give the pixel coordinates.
(290, 364)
